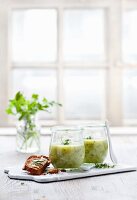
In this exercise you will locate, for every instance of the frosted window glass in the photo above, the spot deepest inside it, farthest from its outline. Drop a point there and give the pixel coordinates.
(129, 37)
(84, 35)
(84, 94)
(34, 35)
(42, 82)
(130, 94)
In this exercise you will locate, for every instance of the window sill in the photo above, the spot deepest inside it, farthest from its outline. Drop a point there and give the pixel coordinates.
(120, 131)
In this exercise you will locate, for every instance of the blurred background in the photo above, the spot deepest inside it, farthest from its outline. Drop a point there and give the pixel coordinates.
(81, 53)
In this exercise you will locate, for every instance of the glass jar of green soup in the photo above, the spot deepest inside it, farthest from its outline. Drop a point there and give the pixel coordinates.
(96, 143)
(67, 148)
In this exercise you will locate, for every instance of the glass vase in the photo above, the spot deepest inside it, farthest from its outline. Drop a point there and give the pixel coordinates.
(28, 136)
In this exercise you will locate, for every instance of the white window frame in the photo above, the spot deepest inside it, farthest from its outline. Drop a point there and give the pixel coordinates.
(114, 65)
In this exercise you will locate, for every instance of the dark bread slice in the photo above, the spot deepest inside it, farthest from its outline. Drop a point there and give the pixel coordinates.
(36, 165)
(53, 171)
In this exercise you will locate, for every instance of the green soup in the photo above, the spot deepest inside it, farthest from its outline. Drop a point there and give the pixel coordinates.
(67, 156)
(95, 150)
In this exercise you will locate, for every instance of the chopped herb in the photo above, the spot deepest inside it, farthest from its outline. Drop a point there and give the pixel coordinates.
(103, 165)
(38, 162)
(63, 170)
(89, 137)
(66, 141)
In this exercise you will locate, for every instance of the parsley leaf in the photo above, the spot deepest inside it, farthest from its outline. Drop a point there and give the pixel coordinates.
(24, 108)
(66, 141)
(89, 138)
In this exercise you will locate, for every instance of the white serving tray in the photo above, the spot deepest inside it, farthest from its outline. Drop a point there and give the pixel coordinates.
(17, 173)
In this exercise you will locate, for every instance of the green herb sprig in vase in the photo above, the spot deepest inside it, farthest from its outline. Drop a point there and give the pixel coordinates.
(28, 132)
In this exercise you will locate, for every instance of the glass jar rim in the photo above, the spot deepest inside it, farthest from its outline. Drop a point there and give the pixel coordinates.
(66, 128)
(93, 124)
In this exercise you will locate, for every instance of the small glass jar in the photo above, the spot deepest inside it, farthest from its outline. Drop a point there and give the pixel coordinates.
(28, 136)
(96, 143)
(67, 147)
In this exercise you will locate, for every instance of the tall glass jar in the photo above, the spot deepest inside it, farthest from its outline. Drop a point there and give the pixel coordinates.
(67, 147)
(28, 136)
(96, 143)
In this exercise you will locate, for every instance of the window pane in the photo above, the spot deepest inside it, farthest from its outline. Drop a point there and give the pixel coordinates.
(34, 35)
(42, 82)
(84, 94)
(84, 35)
(130, 94)
(130, 36)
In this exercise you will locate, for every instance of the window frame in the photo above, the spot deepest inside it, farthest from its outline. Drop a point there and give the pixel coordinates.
(113, 65)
